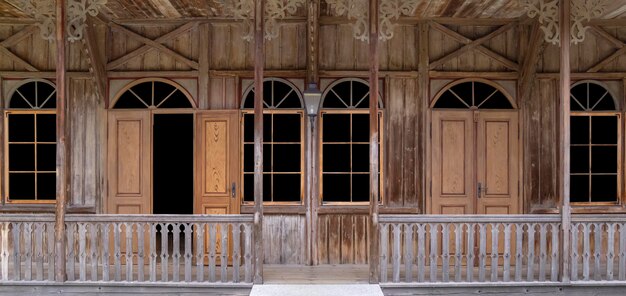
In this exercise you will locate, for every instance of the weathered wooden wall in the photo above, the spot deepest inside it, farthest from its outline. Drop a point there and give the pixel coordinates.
(284, 239)
(342, 239)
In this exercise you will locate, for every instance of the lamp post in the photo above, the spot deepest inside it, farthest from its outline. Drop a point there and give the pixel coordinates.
(312, 99)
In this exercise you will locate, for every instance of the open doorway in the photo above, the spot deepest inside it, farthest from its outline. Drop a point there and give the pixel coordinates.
(172, 164)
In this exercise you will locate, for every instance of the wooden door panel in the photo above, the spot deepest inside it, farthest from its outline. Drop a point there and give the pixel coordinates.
(452, 162)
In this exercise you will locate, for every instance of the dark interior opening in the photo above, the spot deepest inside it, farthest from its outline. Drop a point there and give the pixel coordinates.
(173, 164)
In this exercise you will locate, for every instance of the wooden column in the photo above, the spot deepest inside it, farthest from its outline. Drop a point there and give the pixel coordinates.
(374, 157)
(259, 63)
(61, 157)
(564, 134)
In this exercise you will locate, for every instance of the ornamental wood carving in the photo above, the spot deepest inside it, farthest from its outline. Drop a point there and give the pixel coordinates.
(357, 10)
(274, 10)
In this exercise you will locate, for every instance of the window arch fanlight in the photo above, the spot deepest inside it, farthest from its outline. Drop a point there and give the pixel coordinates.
(30, 143)
(344, 137)
(595, 148)
(473, 94)
(153, 93)
(283, 138)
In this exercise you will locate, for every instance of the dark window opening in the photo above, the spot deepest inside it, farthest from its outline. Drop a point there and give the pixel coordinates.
(173, 164)
(473, 95)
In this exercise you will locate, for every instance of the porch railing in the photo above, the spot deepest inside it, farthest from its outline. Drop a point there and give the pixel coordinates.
(205, 249)
(499, 248)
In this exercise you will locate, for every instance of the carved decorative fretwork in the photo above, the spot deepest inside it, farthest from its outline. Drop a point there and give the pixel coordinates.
(547, 12)
(274, 10)
(358, 10)
(43, 11)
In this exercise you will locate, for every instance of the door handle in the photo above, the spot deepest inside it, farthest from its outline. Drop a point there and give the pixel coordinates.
(233, 187)
(480, 190)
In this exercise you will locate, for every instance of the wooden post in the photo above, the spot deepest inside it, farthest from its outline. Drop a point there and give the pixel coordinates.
(374, 161)
(564, 134)
(259, 63)
(61, 157)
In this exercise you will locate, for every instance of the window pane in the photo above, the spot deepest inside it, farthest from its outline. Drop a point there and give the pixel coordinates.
(360, 158)
(248, 187)
(21, 186)
(336, 127)
(46, 128)
(287, 187)
(331, 100)
(336, 187)
(336, 157)
(129, 101)
(267, 187)
(361, 187)
(287, 127)
(28, 91)
(464, 91)
(44, 91)
(21, 157)
(597, 92)
(580, 129)
(579, 188)
(46, 186)
(46, 157)
(482, 91)
(21, 127)
(579, 93)
(144, 91)
(161, 91)
(579, 159)
(603, 188)
(497, 101)
(248, 157)
(287, 157)
(604, 129)
(359, 91)
(360, 127)
(267, 158)
(177, 100)
(267, 127)
(604, 159)
(449, 101)
(248, 127)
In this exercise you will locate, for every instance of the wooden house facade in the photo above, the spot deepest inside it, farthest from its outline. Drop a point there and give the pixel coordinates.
(163, 129)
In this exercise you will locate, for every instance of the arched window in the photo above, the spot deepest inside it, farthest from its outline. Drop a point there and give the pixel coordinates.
(473, 95)
(345, 126)
(153, 94)
(30, 143)
(283, 115)
(595, 149)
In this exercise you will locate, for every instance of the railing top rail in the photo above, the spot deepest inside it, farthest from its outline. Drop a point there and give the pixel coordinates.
(619, 218)
(552, 218)
(99, 218)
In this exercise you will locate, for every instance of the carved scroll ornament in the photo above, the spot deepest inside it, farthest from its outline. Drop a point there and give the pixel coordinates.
(274, 10)
(44, 12)
(547, 12)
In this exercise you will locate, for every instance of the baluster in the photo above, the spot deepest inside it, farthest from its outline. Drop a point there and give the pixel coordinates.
(458, 231)
(384, 246)
(445, 252)
(434, 229)
(140, 251)
(212, 242)
(495, 232)
(117, 246)
(519, 257)
(574, 252)
(408, 250)
(506, 273)
(71, 254)
(597, 235)
(82, 253)
(531, 252)
(397, 231)
(236, 251)
(4, 252)
(106, 256)
(622, 252)
(554, 275)
(164, 252)
(153, 250)
(482, 230)
(470, 252)
(421, 252)
(50, 245)
(188, 252)
(248, 253)
(200, 252)
(39, 229)
(610, 252)
(176, 252)
(28, 254)
(129, 251)
(543, 254)
(17, 260)
(224, 253)
(93, 249)
(586, 250)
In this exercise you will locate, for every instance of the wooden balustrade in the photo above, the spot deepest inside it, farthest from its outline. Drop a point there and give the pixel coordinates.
(204, 249)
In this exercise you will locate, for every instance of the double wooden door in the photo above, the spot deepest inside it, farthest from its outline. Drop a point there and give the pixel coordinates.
(475, 162)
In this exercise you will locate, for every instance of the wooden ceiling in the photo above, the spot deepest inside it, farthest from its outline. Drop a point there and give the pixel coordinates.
(175, 9)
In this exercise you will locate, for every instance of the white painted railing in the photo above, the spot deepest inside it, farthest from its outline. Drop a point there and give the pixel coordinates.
(204, 249)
